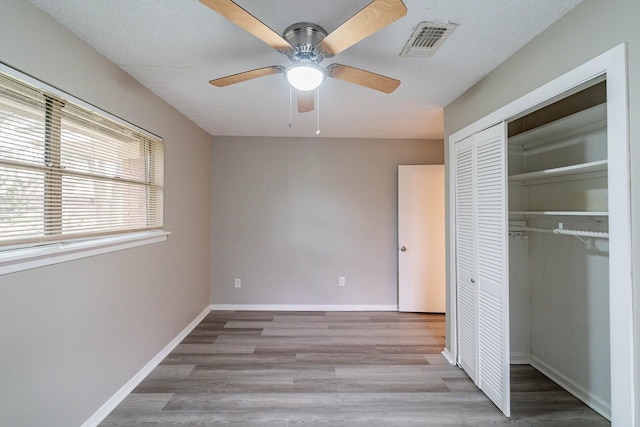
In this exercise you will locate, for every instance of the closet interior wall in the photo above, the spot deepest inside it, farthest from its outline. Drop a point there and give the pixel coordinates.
(559, 279)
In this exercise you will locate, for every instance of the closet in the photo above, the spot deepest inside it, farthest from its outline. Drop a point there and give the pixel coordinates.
(558, 244)
(539, 240)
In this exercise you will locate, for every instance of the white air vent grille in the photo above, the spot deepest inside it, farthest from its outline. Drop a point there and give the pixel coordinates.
(427, 38)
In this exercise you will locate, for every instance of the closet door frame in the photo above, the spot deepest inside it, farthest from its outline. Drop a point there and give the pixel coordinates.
(613, 65)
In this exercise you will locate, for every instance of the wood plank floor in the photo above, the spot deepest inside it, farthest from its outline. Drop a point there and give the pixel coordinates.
(331, 368)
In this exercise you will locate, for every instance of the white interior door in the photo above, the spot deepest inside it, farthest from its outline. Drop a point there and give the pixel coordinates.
(481, 224)
(421, 248)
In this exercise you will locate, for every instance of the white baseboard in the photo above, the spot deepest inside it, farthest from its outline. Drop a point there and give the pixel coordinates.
(589, 399)
(447, 355)
(303, 307)
(124, 391)
(520, 359)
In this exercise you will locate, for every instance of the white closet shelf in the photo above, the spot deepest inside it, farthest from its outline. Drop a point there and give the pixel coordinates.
(582, 168)
(584, 121)
(560, 213)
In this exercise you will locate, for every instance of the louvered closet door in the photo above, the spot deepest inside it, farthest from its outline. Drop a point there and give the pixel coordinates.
(481, 262)
(492, 266)
(466, 258)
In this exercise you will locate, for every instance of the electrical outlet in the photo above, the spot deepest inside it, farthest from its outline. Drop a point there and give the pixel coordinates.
(341, 281)
(237, 283)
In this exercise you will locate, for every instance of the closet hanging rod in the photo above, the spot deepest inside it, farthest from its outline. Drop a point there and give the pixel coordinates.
(582, 233)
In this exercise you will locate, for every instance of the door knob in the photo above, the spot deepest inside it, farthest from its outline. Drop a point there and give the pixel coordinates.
(473, 280)
(403, 249)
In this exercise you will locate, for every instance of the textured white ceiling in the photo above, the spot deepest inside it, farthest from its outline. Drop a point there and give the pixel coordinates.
(174, 47)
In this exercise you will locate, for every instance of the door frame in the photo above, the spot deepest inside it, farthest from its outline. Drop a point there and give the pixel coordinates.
(613, 65)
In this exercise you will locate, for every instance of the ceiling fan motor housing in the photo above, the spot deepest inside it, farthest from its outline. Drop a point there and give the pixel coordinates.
(305, 38)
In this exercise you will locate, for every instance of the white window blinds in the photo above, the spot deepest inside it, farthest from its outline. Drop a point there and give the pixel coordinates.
(67, 172)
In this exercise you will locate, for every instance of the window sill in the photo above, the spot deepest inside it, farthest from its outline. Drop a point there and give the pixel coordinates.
(15, 260)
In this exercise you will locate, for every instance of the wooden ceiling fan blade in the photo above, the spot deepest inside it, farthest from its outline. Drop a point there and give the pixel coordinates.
(248, 22)
(375, 16)
(363, 78)
(247, 75)
(306, 100)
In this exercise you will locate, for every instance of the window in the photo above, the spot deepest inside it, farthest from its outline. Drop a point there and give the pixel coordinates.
(70, 173)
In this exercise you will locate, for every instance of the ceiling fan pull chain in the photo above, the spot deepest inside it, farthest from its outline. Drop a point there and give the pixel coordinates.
(318, 110)
(290, 107)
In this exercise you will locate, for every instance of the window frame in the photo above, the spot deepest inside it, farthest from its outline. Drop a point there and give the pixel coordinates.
(33, 255)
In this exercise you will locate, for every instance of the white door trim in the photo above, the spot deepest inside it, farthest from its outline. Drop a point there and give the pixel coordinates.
(613, 64)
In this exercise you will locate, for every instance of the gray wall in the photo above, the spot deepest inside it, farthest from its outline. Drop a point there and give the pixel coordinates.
(289, 216)
(591, 28)
(72, 334)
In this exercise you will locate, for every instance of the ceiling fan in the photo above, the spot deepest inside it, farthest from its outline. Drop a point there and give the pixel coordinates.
(308, 44)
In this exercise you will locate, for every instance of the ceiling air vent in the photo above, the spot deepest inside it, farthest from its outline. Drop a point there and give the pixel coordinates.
(426, 39)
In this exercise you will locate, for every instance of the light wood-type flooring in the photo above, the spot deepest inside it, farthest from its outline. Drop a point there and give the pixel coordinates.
(334, 369)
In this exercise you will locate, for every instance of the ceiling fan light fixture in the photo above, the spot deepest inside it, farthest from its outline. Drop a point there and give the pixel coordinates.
(304, 76)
